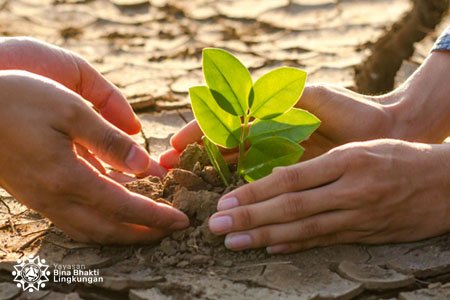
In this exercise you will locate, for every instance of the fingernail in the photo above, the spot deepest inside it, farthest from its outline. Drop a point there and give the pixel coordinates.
(277, 249)
(220, 224)
(238, 241)
(138, 159)
(227, 203)
(179, 225)
(155, 169)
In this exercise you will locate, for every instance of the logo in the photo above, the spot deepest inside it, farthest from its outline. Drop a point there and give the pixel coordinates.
(31, 273)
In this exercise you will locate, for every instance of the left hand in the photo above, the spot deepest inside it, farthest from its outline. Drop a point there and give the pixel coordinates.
(72, 71)
(76, 74)
(372, 192)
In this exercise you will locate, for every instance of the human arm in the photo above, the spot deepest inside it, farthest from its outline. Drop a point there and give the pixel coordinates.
(416, 111)
(366, 192)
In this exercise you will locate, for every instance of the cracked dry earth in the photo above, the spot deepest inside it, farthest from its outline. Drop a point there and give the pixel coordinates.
(152, 51)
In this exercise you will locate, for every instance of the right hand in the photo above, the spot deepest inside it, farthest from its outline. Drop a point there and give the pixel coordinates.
(346, 117)
(417, 111)
(41, 121)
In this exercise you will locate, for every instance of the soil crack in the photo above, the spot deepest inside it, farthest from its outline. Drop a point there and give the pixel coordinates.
(377, 74)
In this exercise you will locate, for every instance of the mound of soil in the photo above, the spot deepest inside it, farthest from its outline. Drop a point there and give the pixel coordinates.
(194, 188)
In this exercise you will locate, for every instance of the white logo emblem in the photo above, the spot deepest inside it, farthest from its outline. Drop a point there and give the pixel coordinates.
(31, 273)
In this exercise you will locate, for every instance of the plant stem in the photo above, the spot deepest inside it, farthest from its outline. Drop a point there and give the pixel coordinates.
(242, 141)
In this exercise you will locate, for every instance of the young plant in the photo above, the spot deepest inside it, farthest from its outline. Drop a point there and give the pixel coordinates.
(233, 112)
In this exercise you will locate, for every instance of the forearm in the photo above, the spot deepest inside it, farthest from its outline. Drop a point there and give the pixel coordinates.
(440, 177)
(423, 106)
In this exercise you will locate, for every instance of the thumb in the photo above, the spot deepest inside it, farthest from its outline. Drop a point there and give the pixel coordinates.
(106, 141)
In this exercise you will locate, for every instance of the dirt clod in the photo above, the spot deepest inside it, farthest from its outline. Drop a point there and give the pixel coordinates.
(191, 156)
(195, 190)
(188, 180)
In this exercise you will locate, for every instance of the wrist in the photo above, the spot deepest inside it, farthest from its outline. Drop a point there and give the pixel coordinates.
(441, 180)
(421, 106)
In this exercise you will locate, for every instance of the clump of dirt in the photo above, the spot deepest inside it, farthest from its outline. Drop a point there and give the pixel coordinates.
(194, 188)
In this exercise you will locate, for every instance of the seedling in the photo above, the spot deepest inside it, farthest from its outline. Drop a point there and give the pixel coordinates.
(233, 112)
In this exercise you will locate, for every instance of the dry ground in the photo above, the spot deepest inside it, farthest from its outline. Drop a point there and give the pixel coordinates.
(151, 50)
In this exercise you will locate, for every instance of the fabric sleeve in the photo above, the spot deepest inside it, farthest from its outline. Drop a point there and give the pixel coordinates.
(443, 43)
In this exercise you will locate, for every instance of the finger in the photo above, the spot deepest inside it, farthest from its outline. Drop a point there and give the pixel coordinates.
(120, 177)
(155, 170)
(108, 143)
(283, 208)
(114, 200)
(319, 98)
(90, 226)
(316, 145)
(306, 175)
(170, 158)
(231, 158)
(298, 231)
(84, 153)
(189, 134)
(339, 238)
(107, 98)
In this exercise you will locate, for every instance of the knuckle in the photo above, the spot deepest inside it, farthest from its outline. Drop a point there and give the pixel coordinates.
(347, 195)
(358, 156)
(265, 237)
(288, 178)
(70, 112)
(249, 193)
(293, 206)
(111, 142)
(351, 155)
(309, 230)
(244, 218)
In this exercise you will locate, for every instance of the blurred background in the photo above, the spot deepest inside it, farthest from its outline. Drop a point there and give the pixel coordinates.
(152, 49)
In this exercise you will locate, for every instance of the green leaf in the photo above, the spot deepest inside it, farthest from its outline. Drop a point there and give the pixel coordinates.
(217, 161)
(296, 125)
(229, 80)
(269, 153)
(219, 126)
(277, 91)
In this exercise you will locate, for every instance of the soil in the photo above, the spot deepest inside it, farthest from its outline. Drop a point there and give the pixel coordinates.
(152, 51)
(195, 189)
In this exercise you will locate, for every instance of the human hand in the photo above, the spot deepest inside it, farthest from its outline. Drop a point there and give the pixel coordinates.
(346, 116)
(41, 121)
(75, 73)
(373, 192)
(72, 71)
(417, 111)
